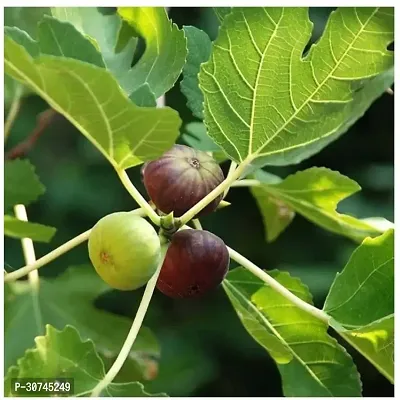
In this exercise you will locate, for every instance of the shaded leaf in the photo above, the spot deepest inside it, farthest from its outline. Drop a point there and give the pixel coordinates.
(61, 39)
(18, 229)
(222, 12)
(311, 362)
(264, 101)
(315, 194)
(103, 30)
(199, 50)
(69, 299)
(197, 138)
(368, 276)
(63, 354)
(91, 99)
(25, 18)
(165, 54)
(21, 184)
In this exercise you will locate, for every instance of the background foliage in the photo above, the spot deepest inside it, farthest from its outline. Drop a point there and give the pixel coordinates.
(204, 347)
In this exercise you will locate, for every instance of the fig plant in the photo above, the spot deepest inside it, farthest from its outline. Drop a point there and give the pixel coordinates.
(263, 96)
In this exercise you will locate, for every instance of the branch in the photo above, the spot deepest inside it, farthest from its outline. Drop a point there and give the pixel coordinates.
(42, 122)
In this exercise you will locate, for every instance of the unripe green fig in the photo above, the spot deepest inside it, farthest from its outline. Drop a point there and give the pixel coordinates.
(195, 263)
(124, 250)
(180, 178)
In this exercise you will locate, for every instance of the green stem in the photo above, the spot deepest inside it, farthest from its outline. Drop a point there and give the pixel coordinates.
(259, 273)
(197, 224)
(12, 114)
(246, 182)
(136, 325)
(310, 309)
(29, 254)
(64, 248)
(155, 218)
(190, 214)
(232, 168)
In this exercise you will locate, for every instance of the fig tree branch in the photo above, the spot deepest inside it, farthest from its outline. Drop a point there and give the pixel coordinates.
(42, 122)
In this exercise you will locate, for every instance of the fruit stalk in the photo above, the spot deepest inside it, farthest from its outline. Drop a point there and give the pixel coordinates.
(185, 218)
(138, 197)
(49, 257)
(136, 325)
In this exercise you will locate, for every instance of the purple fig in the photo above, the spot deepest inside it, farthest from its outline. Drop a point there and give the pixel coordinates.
(180, 178)
(195, 263)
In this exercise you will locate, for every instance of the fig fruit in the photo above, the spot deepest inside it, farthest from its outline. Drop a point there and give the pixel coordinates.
(196, 262)
(124, 250)
(180, 178)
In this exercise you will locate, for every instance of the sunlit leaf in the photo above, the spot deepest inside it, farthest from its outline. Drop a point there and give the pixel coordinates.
(368, 276)
(91, 99)
(165, 54)
(311, 362)
(199, 50)
(315, 194)
(63, 354)
(267, 103)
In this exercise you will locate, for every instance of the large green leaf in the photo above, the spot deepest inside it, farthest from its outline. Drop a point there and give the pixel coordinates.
(61, 39)
(91, 99)
(311, 362)
(63, 354)
(69, 299)
(368, 276)
(199, 50)
(21, 184)
(361, 302)
(165, 54)
(375, 342)
(17, 229)
(264, 101)
(315, 194)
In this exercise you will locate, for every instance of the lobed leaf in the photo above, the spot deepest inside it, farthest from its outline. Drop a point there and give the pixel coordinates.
(199, 50)
(315, 194)
(91, 99)
(61, 39)
(165, 54)
(265, 102)
(69, 300)
(63, 354)
(311, 362)
(21, 184)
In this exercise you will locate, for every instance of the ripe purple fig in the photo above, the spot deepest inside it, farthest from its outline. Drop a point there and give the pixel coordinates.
(180, 178)
(196, 262)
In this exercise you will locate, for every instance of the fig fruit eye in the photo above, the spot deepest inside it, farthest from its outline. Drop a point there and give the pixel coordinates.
(180, 178)
(125, 250)
(195, 263)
